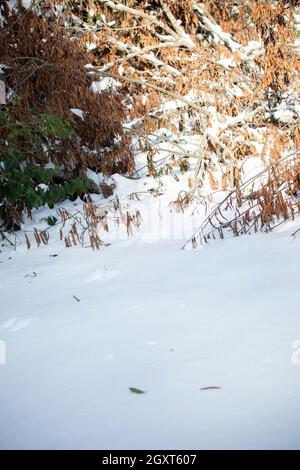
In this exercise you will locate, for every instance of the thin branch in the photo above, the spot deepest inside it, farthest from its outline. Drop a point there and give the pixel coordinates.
(95, 71)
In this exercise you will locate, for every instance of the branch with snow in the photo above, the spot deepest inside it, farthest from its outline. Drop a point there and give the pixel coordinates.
(179, 36)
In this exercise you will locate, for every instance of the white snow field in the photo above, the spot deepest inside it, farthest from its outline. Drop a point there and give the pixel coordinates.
(167, 321)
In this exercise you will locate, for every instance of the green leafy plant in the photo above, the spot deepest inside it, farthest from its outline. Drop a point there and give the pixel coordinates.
(27, 179)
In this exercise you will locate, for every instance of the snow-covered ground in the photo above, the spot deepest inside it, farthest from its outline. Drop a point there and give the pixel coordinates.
(82, 327)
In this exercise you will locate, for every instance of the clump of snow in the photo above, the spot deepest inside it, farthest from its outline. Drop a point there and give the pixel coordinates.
(77, 112)
(43, 186)
(227, 62)
(106, 83)
(90, 46)
(253, 48)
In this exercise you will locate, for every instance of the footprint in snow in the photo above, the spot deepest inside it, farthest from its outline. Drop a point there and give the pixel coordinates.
(13, 324)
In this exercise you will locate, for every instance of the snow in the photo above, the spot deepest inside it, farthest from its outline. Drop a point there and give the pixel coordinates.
(13, 5)
(227, 62)
(90, 46)
(104, 84)
(43, 186)
(77, 112)
(161, 319)
(253, 48)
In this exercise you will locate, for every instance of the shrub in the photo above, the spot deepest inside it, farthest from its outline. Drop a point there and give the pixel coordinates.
(46, 75)
(27, 180)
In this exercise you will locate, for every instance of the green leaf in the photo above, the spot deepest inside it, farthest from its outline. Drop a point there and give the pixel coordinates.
(33, 198)
(138, 391)
(54, 195)
(3, 118)
(80, 185)
(70, 188)
(54, 126)
(51, 220)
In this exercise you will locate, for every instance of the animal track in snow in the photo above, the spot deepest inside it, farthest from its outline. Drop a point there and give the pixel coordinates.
(13, 324)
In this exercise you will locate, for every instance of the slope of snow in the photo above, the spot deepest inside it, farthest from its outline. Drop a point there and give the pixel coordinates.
(82, 327)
